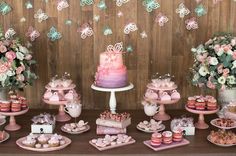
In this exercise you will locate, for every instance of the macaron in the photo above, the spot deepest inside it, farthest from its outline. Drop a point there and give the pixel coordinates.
(156, 139)
(167, 137)
(177, 135)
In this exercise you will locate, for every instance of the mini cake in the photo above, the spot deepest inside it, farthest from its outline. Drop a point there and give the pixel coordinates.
(43, 139)
(191, 102)
(15, 106)
(232, 107)
(167, 137)
(111, 72)
(211, 104)
(177, 135)
(156, 139)
(5, 106)
(29, 141)
(54, 142)
(200, 104)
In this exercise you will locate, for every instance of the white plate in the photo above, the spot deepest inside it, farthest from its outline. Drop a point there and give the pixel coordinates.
(150, 131)
(6, 137)
(79, 132)
(222, 145)
(213, 123)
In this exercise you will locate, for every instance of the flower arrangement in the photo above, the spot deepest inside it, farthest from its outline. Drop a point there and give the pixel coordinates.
(215, 62)
(15, 62)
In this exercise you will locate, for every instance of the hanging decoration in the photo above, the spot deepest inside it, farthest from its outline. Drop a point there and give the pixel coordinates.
(86, 2)
(131, 27)
(68, 22)
(119, 14)
(182, 10)
(191, 23)
(28, 5)
(22, 19)
(32, 33)
(216, 1)
(96, 18)
(53, 34)
(129, 49)
(5, 8)
(107, 31)
(151, 5)
(62, 4)
(198, 1)
(143, 34)
(161, 19)
(10, 33)
(85, 30)
(121, 2)
(40, 15)
(200, 10)
(102, 5)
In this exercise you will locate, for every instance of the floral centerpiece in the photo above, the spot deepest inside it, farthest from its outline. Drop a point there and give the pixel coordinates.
(15, 62)
(215, 63)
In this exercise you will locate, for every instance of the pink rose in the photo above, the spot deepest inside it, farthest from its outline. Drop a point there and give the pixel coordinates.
(225, 72)
(28, 57)
(226, 47)
(220, 69)
(10, 55)
(210, 85)
(20, 78)
(3, 68)
(202, 58)
(19, 70)
(234, 55)
(3, 49)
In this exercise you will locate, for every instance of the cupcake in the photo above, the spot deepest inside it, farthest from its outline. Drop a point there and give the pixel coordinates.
(191, 102)
(38, 146)
(54, 142)
(15, 106)
(200, 104)
(43, 139)
(167, 137)
(29, 141)
(211, 104)
(156, 139)
(5, 106)
(177, 135)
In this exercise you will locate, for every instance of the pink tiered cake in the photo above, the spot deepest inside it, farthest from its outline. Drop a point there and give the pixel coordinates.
(111, 72)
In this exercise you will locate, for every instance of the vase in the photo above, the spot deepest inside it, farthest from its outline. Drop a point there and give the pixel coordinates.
(227, 95)
(3, 93)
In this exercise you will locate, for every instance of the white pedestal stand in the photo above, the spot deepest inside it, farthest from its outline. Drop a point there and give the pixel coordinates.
(112, 101)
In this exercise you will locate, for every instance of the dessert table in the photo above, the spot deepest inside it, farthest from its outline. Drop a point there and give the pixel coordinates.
(80, 143)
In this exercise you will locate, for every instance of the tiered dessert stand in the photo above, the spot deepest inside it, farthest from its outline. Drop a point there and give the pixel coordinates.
(162, 115)
(112, 101)
(13, 126)
(61, 116)
(201, 124)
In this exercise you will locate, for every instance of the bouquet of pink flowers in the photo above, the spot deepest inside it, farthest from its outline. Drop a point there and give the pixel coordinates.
(15, 62)
(215, 63)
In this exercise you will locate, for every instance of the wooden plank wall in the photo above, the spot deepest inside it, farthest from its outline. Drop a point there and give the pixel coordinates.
(166, 50)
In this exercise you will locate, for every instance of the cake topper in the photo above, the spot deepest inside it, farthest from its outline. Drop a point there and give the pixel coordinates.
(54, 34)
(200, 10)
(28, 5)
(102, 5)
(182, 10)
(161, 19)
(86, 2)
(191, 23)
(96, 18)
(85, 30)
(130, 28)
(121, 2)
(151, 5)
(143, 34)
(22, 19)
(119, 14)
(107, 31)
(62, 4)
(117, 48)
(32, 33)
(40, 15)
(5, 8)
(10, 33)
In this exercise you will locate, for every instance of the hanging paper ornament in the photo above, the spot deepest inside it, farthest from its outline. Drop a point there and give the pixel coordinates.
(182, 10)
(10, 33)
(161, 19)
(119, 14)
(32, 33)
(107, 31)
(68, 22)
(130, 28)
(191, 23)
(85, 30)
(28, 5)
(121, 2)
(129, 48)
(143, 34)
(86, 2)
(96, 18)
(53, 34)
(102, 5)
(62, 4)
(200, 10)
(216, 1)
(4, 8)
(22, 19)
(40, 15)
(151, 5)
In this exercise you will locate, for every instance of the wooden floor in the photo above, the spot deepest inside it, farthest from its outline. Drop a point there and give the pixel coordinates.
(198, 143)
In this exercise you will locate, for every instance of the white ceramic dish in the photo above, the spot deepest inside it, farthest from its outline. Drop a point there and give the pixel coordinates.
(79, 132)
(151, 131)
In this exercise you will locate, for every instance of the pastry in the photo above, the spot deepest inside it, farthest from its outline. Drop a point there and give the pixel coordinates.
(29, 141)
(156, 139)
(191, 102)
(211, 104)
(5, 106)
(177, 135)
(200, 104)
(223, 137)
(43, 139)
(167, 137)
(223, 122)
(15, 106)
(54, 142)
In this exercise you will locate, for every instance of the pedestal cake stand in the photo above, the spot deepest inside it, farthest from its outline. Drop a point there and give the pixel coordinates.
(201, 124)
(13, 126)
(112, 101)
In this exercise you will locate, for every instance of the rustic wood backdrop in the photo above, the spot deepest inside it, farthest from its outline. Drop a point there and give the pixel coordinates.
(165, 50)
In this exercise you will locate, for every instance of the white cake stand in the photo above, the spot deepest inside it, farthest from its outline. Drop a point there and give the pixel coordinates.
(112, 101)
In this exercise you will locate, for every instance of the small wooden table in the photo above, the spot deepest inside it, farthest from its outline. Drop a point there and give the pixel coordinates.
(80, 143)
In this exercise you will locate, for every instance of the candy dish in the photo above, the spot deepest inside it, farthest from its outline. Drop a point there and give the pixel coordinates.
(111, 141)
(76, 128)
(4, 136)
(150, 127)
(223, 123)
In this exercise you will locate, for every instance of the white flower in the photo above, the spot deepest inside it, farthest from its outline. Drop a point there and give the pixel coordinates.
(230, 52)
(213, 61)
(23, 49)
(19, 56)
(203, 71)
(231, 79)
(222, 80)
(234, 64)
(220, 52)
(193, 50)
(233, 42)
(10, 73)
(196, 77)
(3, 77)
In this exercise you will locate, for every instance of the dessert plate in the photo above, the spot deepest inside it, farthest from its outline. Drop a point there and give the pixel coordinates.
(151, 131)
(221, 145)
(19, 143)
(87, 128)
(165, 146)
(7, 136)
(112, 146)
(213, 122)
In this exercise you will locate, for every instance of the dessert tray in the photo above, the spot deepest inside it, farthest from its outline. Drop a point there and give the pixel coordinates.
(150, 127)
(112, 141)
(72, 86)
(66, 142)
(6, 136)
(76, 128)
(221, 145)
(166, 146)
(223, 123)
(151, 86)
